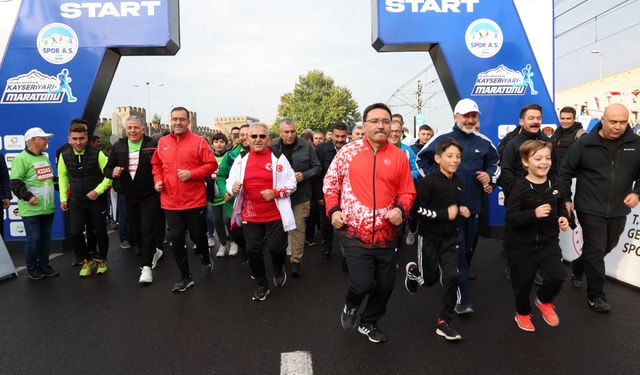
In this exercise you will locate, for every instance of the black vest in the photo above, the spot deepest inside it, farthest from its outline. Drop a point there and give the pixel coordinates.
(83, 171)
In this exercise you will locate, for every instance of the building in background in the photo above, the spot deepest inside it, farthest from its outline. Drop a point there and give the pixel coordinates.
(224, 124)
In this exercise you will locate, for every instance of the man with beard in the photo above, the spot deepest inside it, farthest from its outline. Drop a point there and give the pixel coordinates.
(326, 151)
(479, 170)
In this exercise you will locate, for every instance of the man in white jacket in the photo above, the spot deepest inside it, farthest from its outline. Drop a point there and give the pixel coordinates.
(263, 181)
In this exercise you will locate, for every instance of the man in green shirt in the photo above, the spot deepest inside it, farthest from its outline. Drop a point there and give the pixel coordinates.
(82, 184)
(32, 182)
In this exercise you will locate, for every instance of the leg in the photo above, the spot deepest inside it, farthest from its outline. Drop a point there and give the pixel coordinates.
(254, 234)
(327, 234)
(428, 261)
(79, 215)
(123, 225)
(148, 210)
(197, 225)
(176, 228)
(523, 271)
(594, 233)
(312, 221)
(99, 223)
(384, 260)
(218, 222)
(31, 252)
(448, 255)
(275, 238)
(361, 274)
(210, 226)
(300, 213)
(554, 273)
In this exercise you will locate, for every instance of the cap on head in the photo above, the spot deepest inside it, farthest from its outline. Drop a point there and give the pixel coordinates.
(465, 106)
(36, 132)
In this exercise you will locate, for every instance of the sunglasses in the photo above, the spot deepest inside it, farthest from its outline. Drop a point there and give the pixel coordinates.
(261, 136)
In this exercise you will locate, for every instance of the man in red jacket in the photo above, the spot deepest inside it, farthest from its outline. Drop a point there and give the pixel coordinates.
(368, 193)
(181, 162)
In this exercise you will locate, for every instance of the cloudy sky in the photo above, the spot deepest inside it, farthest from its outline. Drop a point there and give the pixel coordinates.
(239, 57)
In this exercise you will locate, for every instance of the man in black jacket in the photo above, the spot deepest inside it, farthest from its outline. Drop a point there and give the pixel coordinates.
(305, 164)
(326, 152)
(606, 165)
(568, 132)
(129, 166)
(5, 191)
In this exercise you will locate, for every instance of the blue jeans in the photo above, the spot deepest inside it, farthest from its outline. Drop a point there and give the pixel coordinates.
(210, 225)
(38, 243)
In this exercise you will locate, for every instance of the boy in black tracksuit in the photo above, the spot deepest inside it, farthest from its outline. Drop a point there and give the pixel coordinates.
(438, 241)
(535, 211)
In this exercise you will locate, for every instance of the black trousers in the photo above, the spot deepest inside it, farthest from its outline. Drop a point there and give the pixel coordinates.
(600, 235)
(313, 220)
(371, 272)
(143, 216)
(438, 260)
(327, 231)
(525, 264)
(268, 236)
(178, 222)
(82, 212)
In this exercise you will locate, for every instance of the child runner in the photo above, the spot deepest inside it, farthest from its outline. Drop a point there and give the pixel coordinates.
(438, 240)
(535, 210)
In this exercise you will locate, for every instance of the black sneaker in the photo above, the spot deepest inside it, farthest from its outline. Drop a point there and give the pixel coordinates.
(77, 261)
(295, 270)
(599, 304)
(372, 332)
(207, 262)
(279, 278)
(348, 317)
(411, 278)
(35, 273)
(576, 281)
(48, 271)
(182, 285)
(445, 330)
(261, 293)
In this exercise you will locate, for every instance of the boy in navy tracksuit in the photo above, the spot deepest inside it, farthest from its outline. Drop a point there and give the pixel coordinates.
(535, 211)
(438, 229)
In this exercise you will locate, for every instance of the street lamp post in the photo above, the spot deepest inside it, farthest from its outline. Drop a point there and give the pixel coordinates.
(149, 103)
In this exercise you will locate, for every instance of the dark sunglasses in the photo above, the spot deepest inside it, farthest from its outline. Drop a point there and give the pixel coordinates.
(261, 136)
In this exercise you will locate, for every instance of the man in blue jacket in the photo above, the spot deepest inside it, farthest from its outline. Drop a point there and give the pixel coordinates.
(479, 170)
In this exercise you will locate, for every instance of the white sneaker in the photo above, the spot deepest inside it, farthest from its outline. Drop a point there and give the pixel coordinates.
(146, 276)
(222, 251)
(233, 249)
(156, 258)
(411, 238)
(211, 241)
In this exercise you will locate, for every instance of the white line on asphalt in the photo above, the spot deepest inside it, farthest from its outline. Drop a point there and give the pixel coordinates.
(296, 363)
(51, 256)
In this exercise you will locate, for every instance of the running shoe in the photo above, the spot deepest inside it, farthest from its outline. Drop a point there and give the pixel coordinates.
(373, 333)
(548, 311)
(87, 268)
(102, 267)
(445, 330)
(524, 322)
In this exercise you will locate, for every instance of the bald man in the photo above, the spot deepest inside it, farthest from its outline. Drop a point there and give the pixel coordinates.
(606, 165)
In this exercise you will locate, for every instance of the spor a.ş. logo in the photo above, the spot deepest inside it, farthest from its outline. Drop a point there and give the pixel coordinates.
(57, 43)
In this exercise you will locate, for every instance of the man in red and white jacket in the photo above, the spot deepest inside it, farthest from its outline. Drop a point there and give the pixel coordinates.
(181, 162)
(368, 192)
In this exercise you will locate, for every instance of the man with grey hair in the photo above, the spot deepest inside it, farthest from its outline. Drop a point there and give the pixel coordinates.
(129, 166)
(357, 133)
(263, 181)
(304, 161)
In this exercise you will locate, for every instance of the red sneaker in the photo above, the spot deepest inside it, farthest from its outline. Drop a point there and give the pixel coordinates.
(548, 311)
(524, 322)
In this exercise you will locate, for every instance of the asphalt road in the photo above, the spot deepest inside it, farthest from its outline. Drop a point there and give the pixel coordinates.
(110, 325)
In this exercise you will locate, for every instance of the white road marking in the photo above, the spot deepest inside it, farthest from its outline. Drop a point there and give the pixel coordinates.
(51, 256)
(296, 363)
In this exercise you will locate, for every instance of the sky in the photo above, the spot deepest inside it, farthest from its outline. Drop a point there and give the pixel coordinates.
(239, 57)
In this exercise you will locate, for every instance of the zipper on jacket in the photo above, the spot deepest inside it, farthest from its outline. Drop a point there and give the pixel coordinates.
(373, 225)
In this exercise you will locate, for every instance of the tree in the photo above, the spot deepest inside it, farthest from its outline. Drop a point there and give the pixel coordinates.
(104, 132)
(316, 103)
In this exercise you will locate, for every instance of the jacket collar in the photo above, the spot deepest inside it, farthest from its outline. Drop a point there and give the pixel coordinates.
(593, 138)
(366, 143)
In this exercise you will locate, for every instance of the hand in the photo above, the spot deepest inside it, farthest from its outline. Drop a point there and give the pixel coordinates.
(563, 223)
(631, 200)
(394, 216)
(569, 206)
(321, 202)
(464, 212)
(117, 171)
(227, 197)
(64, 206)
(33, 201)
(488, 188)
(92, 195)
(236, 187)
(184, 174)
(268, 194)
(6, 202)
(453, 211)
(483, 177)
(214, 176)
(543, 210)
(159, 186)
(299, 176)
(338, 219)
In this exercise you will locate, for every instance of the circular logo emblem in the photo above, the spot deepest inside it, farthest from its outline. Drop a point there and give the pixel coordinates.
(268, 167)
(57, 43)
(484, 38)
(279, 168)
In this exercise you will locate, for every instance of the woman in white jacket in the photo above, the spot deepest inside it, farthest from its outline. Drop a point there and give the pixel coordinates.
(263, 182)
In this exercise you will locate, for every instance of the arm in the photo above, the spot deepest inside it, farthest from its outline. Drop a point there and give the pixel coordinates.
(492, 163)
(16, 183)
(507, 177)
(515, 215)
(112, 162)
(406, 188)
(423, 208)
(207, 160)
(289, 179)
(156, 166)
(316, 168)
(332, 184)
(4, 179)
(569, 168)
(415, 175)
(425, 162)
(234, 175)
(63, 180)
(106, 182)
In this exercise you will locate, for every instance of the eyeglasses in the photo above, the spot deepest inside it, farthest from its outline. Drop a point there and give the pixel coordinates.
(376, 121)
(261, 136)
